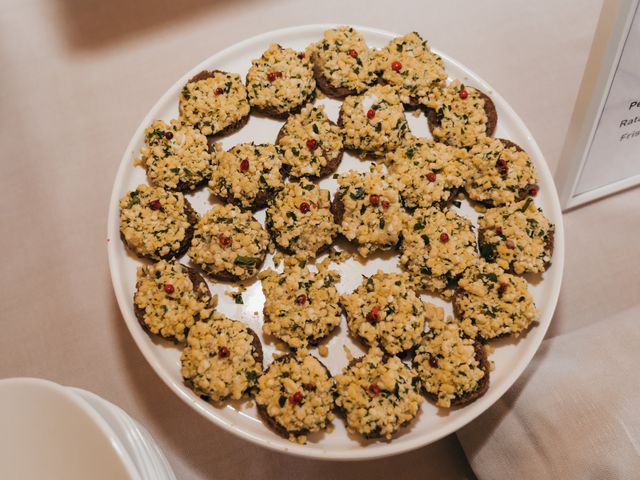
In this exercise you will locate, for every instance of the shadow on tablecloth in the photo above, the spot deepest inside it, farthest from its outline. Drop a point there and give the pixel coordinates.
(90, 24)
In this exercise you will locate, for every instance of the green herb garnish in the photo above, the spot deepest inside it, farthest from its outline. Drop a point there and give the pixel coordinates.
(488, 251)
(246, 261)
(526, 204)
(358, 194)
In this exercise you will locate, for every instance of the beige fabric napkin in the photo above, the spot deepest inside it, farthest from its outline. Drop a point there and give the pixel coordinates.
(575, 412)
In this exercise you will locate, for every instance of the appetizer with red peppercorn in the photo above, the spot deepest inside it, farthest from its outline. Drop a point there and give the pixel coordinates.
(229, 244)
(280, 82)
(500, 172)
(311, 144)
(490, 303)
(156, 223)
(247, 175)
(299, 219)
(343, 64)
(411, 68)
(428, 172)
(215, 103)
(296, 396)
(384, 311)
(518, 237)
(176, 156)
(374, 122)
(170, 298)
(378, 394)
(368, 210)
(222, 359)
(301, 307)
(454, 368)
(460, 115)
(437, 247)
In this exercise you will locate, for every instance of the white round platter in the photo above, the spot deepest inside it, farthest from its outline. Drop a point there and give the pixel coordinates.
(510, 357)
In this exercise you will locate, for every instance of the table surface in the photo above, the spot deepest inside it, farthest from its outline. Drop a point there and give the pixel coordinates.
(77, 78)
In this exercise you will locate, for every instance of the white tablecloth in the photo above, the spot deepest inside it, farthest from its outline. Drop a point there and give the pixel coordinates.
(574, 412)
(77, 78)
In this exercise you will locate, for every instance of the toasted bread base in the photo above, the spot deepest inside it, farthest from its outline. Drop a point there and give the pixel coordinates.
(337, 208)
(226, 276)
(260, 201)
(279, 115)
(186, 187)
(311, 341)
(325, 85)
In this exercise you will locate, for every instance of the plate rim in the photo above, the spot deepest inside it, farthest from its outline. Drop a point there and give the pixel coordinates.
(139, 438)
(490, 398)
